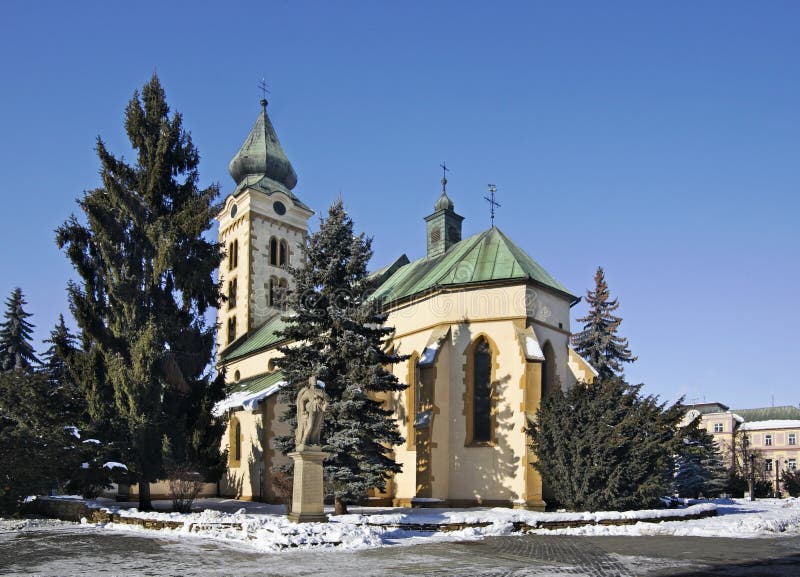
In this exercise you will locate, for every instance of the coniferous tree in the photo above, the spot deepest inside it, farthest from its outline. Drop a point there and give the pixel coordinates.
(699, 465)
(338, 335)
(16, 350)
(146, 281)
(605, 446)
(598, 342)
(790, 478)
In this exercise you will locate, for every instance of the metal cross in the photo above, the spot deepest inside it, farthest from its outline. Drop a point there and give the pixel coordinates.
(264, 88)
(492, 202)
(445, 170)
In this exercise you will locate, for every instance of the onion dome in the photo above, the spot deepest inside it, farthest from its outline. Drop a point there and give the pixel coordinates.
(261, 155)
(444, 203)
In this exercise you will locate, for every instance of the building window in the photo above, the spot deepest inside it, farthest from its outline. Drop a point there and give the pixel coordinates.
(283, 253)
(411, 400)
(767, 440)
(481, 392)
(283, 293)
(718, 427)
(273, 251)
(233, 254)
(768, 465)
(548, 370)
(232, 293)
(235, 443)
(792, 438)
(791, 464)
(231, 329)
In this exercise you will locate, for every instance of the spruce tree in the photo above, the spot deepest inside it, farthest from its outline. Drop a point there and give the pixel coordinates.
(598, 342)
(16, 350)
(339, 335)
(146, 281)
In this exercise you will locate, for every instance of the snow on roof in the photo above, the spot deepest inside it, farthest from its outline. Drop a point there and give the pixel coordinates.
(246, 399)
(773, 424)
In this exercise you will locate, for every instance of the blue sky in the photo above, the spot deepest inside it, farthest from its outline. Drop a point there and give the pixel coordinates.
(656, 139)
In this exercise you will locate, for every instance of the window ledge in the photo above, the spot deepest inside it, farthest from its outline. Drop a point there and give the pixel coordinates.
(480, 444)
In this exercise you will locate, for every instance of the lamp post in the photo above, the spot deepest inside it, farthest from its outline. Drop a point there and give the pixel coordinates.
(752, 480)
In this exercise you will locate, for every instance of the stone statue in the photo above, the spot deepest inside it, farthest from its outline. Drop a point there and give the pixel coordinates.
(311, 405)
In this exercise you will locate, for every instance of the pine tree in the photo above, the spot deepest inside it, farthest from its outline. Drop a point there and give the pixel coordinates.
(605, 446)
(598, 342)
(342, 337)
(699, 466)
(16, 350)
(146, 281)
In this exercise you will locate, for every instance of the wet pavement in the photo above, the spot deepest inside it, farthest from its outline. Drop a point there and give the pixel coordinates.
(68, 550)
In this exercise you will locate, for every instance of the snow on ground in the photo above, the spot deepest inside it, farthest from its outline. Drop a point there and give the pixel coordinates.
(266, 528)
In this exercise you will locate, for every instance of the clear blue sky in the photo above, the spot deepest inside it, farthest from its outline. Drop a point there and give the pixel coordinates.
(657, 139)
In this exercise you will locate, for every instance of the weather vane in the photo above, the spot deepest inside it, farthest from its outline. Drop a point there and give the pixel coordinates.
(264, 89)
(445, 170)
(492, 202)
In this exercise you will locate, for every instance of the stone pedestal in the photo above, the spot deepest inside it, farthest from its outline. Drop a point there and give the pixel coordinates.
(307, 492)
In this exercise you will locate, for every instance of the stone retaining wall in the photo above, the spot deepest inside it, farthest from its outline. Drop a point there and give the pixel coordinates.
(76, 510)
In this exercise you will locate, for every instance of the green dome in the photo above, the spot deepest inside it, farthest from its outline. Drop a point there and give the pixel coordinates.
(262, 155)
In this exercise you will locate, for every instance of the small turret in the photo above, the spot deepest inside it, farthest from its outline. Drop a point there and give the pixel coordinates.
(444, 225)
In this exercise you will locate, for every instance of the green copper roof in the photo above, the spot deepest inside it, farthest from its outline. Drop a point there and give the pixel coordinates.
(261, 155)
(485, 257)
(257, 384)
(785, 413)
(261, 338)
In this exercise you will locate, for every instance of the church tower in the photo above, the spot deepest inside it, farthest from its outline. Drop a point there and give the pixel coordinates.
(444, 225)
(263, 227)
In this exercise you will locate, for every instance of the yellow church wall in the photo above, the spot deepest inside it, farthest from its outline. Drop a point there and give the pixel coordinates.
(251, 366)
(249, 477)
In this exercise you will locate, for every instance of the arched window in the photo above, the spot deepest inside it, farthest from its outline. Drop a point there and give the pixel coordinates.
(233, 254)
(231, 329)
(232, 293)
(283, 253)
(273, 287)
(273, 251)
(411, 400)
(548, 370)
(283, 293)
(235, 444)
(481, 391)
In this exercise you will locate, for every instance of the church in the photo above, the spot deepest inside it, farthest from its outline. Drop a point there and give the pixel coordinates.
(485, 327)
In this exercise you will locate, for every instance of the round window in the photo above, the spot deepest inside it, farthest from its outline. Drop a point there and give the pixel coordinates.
(279, 207)
(233, 211)
(236, 376)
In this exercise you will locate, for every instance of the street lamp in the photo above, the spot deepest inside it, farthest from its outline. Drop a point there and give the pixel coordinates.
(752, 480)
(777, 472)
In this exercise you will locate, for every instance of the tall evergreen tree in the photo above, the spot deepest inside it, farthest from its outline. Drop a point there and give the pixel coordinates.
(16, 350)
(605, 446)
(339, 336)
(598, 342)
(146, 281)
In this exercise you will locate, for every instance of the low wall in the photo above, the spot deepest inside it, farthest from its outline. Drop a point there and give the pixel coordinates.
(160, 490)
(72, 510)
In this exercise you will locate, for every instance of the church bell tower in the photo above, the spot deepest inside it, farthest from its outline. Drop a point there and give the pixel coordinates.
(262, 227)
(444, 224)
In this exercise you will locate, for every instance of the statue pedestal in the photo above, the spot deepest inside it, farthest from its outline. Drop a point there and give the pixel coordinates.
(307, 493)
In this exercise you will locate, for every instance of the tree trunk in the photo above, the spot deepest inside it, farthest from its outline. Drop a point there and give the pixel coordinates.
(145, 504)
(339, 507)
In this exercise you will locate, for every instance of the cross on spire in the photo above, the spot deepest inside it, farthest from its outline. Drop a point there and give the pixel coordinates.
(492, 202)
(264, 91)
(445, 170)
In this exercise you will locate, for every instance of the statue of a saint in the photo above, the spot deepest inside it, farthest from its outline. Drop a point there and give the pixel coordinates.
(311, 405)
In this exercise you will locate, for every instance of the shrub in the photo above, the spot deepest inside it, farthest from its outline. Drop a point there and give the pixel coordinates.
(184, 485)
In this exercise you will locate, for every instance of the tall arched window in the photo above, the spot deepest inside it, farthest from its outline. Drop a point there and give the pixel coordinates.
(283, 293)
(233, 254)
(232, 293)
(481, 391)
(283, 253)
(235, 443)
(273, 251)
(548, 370)
(231, 329)
(411, 400)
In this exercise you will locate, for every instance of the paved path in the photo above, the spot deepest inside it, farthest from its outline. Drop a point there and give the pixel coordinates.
(71, 550)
